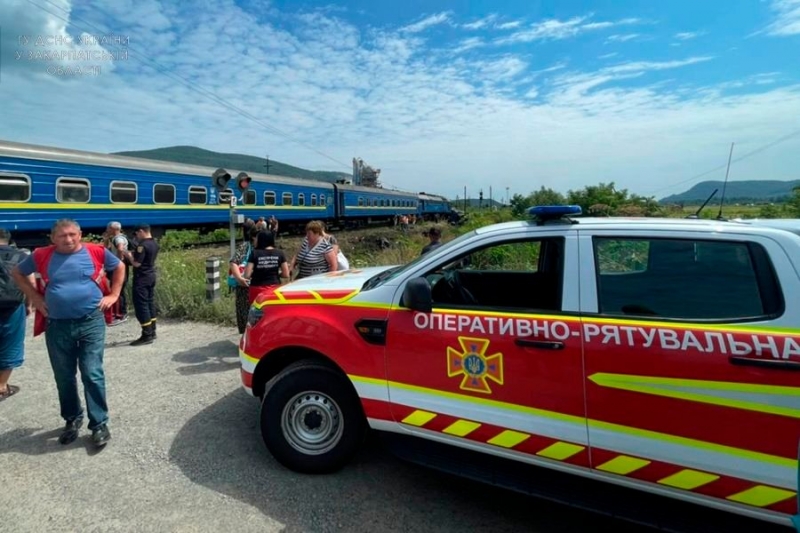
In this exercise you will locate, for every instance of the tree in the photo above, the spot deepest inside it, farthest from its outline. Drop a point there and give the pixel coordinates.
(602, 194)
(518, 205)
(545, 196)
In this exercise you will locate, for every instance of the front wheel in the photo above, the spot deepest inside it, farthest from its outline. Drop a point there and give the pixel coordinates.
(311, 420)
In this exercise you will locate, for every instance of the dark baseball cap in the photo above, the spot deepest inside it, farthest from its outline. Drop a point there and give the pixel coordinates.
(435, 232)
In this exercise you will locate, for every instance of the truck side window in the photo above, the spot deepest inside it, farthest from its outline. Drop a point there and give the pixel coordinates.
(513, 275)
(685, 279)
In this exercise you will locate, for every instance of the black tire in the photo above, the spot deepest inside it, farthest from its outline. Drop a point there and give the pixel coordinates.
(311, 419)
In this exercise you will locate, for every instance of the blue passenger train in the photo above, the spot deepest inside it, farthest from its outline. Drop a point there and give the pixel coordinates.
(41, 184)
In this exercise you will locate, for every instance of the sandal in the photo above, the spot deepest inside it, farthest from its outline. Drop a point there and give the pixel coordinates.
(10, 391)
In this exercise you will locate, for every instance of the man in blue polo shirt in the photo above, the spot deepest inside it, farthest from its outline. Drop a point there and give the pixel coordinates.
(76, 330)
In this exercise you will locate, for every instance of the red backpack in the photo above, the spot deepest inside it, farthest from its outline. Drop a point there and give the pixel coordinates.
(42, 257)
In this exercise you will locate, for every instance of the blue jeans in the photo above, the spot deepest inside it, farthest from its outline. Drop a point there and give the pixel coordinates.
(12, 339)
(79, 344)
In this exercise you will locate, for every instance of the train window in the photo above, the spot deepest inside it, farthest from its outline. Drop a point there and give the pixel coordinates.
(301, 199)
(287, 198)
(269, 198)
(249, 197)
(73, 190)
(197, 194)
(313, 199)
(360, 201)
(321, 199)
(15, 188)
(123, 192)
(225, 196)
(163, 193)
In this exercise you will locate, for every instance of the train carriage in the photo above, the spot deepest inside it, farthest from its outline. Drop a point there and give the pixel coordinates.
(40, 184)
(433, 206)
(367, 205)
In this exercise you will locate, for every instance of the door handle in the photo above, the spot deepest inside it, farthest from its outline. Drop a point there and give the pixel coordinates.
(543, 345)
(764, 363)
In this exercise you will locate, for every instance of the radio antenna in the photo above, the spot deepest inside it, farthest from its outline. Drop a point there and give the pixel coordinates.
(725, 184)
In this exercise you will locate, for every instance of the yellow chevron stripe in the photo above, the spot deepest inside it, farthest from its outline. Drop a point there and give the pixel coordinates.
(560, 451)
(623, 465)
(461, 428)
(655, 386)
(594, 424)
(249, 358)
(419, 418)
(761, 496)
(508, 438)
(688, 479)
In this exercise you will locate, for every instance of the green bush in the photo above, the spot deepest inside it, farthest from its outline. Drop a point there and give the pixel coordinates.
(181, 288)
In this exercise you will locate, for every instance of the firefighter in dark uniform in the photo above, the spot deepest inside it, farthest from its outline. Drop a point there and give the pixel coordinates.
(143, 259)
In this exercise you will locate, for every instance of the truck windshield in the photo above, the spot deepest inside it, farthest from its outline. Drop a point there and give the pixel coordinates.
(382, 277)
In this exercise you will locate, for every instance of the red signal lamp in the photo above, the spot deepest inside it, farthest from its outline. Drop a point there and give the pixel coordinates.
(243, 181)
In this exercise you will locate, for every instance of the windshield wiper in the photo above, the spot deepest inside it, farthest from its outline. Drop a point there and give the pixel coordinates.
(375, 280)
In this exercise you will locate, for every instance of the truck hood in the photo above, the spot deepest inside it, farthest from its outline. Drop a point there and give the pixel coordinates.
(343, 280)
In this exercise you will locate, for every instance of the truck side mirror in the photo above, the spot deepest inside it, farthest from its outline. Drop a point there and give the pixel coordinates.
(417, 295)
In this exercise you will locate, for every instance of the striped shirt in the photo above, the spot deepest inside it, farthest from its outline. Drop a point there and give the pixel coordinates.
(312, 260)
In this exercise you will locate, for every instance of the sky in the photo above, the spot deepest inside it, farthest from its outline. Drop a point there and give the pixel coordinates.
(440, 95)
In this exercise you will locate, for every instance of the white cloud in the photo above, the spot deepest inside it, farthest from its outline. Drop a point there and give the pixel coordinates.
(341, 90)
(608, 56)
(787, 18)
(427, 22)
(480, 23)
(554, 29)
(509, 25)
(469, 43)
(644, 66)
(621, 38)
(688, 35)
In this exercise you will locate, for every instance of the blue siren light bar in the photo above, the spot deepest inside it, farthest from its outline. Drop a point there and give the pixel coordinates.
(550, 212)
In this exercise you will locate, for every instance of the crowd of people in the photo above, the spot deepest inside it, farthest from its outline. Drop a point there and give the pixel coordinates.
(76, 289)
(258, 264)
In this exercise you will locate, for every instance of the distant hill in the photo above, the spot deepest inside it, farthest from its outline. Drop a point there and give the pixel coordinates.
(737, 191)
(192, 155)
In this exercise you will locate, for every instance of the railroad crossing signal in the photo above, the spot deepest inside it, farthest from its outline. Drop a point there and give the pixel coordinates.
(243, 181)
(220, 178)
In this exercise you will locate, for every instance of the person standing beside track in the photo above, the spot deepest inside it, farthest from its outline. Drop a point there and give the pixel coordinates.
(143, 260)
(72, 298)
(117, 243)
(13, 310)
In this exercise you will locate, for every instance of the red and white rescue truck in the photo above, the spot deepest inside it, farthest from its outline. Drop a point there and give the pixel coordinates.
(662, 355)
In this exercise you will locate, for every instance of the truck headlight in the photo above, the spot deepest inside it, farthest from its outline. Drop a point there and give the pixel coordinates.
(254, 315)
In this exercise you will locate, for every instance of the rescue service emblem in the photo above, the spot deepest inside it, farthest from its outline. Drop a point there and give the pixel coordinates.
(139, 249)
(474, 365)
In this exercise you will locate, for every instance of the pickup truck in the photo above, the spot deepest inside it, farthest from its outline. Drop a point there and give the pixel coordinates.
(659, 355)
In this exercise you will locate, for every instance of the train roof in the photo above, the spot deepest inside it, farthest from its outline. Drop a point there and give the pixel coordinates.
(47, 153)
(429, 196)
(375, 190)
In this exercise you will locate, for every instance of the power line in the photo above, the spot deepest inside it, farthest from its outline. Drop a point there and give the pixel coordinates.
(740, 158)
(200, 90)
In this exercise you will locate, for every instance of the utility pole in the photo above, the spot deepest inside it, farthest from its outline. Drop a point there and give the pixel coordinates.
(507, 199)
(465, 198)
(267, 165)
(490, 196)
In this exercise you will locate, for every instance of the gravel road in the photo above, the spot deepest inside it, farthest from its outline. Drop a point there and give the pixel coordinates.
(186, 456)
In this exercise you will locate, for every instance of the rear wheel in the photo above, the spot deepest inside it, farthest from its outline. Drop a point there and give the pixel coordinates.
(311, 420)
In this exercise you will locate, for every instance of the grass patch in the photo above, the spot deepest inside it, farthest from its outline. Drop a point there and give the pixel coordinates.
(180, 285)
